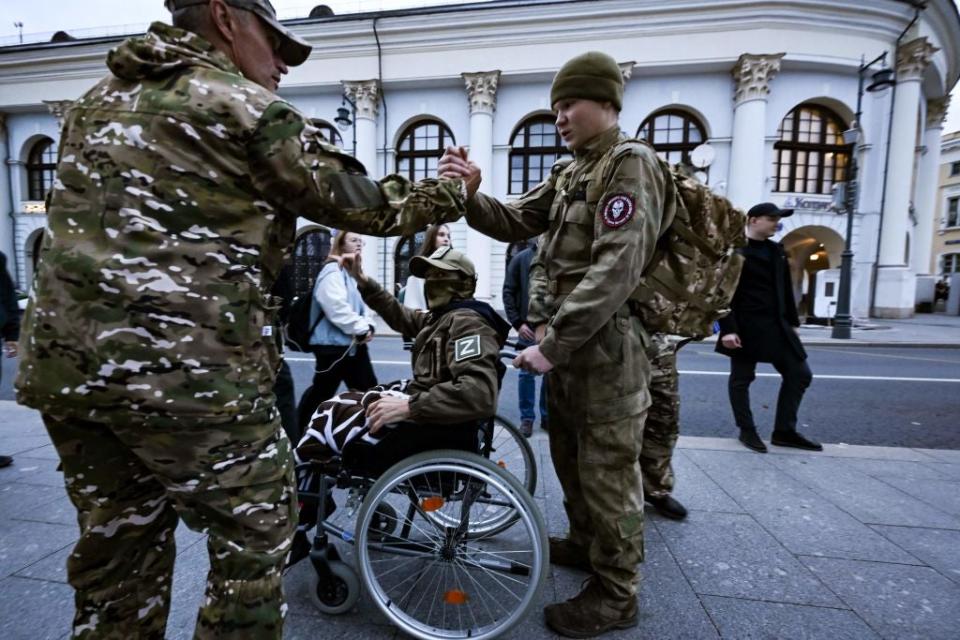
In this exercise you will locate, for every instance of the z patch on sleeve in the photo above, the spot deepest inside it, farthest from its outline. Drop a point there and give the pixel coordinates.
(618, 210)
(467, 348)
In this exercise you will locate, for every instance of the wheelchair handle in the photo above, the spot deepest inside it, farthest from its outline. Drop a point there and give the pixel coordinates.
(506, 354)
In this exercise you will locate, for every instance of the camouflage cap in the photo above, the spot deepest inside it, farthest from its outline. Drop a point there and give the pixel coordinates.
(294, 50)
(443, 258)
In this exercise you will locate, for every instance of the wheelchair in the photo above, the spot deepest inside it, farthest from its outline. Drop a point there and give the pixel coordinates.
(446, 538)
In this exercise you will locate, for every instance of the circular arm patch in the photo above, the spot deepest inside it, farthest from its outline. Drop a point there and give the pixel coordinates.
(618, 210)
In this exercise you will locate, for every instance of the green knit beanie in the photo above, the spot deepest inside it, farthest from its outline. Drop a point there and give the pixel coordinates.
(592, 75)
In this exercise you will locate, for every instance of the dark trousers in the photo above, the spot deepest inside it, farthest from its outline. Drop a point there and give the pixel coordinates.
(796, 378)
(287, 403)
(355, 371)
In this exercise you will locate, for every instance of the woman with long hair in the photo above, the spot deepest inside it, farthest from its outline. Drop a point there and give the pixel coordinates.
(339, 341)
(438, 235)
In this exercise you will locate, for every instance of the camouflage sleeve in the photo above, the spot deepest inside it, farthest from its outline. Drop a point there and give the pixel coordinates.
(402, 319)
(296, 171)
(627, 225)
(538, 311)
(471, 394)
(524, 218)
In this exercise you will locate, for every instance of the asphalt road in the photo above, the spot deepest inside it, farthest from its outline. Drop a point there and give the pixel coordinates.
(875, 396)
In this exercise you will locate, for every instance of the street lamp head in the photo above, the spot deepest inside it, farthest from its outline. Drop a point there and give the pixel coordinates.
(343, 119)
(881, 79)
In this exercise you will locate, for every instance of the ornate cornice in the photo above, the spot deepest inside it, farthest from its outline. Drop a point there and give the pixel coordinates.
(937, 112)
(626, 69)
(752, 75)
(58, 108)
(482, 90)
(366, 95)
(913, 58)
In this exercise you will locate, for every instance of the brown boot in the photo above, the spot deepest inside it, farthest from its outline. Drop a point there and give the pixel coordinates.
(591, 612)
(565, 553)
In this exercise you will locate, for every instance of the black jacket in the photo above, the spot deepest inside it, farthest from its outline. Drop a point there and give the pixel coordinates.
(9, 309)
(763, 312)
(516, 287)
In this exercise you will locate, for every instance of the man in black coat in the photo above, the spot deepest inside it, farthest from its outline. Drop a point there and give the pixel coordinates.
(9, 323)
(762, 327)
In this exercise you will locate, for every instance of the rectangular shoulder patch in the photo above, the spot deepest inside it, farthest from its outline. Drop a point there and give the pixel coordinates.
(467, 348)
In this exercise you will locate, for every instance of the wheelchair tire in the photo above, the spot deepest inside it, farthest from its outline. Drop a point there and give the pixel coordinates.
(339, 594)
(515, 453)
(384, 522)
(432, 578)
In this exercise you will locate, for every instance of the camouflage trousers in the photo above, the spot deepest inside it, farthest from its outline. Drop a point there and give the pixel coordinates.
(663, 421)
(598, 404)
(131, 482)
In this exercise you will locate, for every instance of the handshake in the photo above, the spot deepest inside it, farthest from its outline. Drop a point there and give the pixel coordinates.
(455, 165)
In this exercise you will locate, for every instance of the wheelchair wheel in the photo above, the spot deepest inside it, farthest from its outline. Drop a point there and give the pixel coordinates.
(339, 593)
(511, 451)
(384, 521)
(435, 579)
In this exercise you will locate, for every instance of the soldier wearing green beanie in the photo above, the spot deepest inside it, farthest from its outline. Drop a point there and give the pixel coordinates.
(600, 214)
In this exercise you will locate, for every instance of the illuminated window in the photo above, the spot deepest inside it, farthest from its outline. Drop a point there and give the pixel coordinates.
(534, 148)
(421, 146)
(41, 169)
(673, 134)
(810, 156)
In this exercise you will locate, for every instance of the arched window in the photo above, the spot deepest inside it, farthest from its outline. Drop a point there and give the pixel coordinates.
(534, 147)
(421, 146)
(810, 155)
(41, 168)
(329, 132)
(673, 134)
(310, 251)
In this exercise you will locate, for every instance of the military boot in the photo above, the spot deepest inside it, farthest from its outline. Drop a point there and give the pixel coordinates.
(566, 553)
(591, 612)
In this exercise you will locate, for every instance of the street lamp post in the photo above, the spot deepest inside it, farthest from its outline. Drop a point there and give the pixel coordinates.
(346, 118)
(842, 320)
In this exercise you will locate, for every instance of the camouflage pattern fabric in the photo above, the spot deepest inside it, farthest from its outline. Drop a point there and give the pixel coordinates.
(132, 481)
(177, 192)
(587, 266)
(663, 420)
(148, 337)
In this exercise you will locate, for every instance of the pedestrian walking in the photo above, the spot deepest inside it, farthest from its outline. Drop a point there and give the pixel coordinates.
(600, 214)
(148, 343)
(516, 296)
(763, 326)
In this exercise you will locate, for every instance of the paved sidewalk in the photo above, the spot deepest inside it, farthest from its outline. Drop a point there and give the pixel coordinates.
(856, 542)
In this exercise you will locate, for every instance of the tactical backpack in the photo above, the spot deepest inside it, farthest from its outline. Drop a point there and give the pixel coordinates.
(693, 273)
(298, 328)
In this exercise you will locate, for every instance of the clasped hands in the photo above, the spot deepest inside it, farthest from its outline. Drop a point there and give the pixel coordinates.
(455, 165)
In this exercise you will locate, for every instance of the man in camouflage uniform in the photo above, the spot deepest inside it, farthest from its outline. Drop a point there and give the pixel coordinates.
(600, 215)
(149, 343)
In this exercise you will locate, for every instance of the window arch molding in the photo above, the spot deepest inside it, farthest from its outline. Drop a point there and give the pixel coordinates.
(674, 132)
(420, 145)
(40, 163)
(810, 155)
(535, 145)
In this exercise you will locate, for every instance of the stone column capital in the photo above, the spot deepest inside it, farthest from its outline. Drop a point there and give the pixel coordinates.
(937, 112)
(913, 58)
(626, 69)
(752, 74)
(482, 90)
(365, 94)
(58, 108)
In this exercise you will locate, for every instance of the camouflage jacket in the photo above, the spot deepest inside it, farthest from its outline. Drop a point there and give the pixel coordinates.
(454, 359)
(599, 231)
(178, 188)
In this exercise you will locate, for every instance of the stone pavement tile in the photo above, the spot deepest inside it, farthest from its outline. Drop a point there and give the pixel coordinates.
(21, 500)
(867, 499)
(34, 609)
(908, 470)
(668, 607)
(21, 444)
(46, 452)
(187, 537)
(696, 490)
(840, 450)
(759, 620)
(59, 511)
(942, 455)
(27, 470)
(938, 548)
(52, 568)
(299, 626)
(950, 470)
(899, 601)
(940, 494)
(23, 543)
(794, 514)
(728, 554)
(189, 582)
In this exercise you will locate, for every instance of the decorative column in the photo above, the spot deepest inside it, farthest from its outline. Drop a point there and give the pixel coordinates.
(7, 244)
(752, 75)
(58, 108)
(365, 94)
(896, 285)
(626, 70)
(482, 96)
(928, 174)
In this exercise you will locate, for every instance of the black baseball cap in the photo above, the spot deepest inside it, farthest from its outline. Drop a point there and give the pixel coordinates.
(768, 209)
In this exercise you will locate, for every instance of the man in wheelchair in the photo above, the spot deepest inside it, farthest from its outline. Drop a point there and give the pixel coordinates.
(456, 374)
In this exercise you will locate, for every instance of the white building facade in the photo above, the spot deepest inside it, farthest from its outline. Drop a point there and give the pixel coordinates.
(770, 86)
